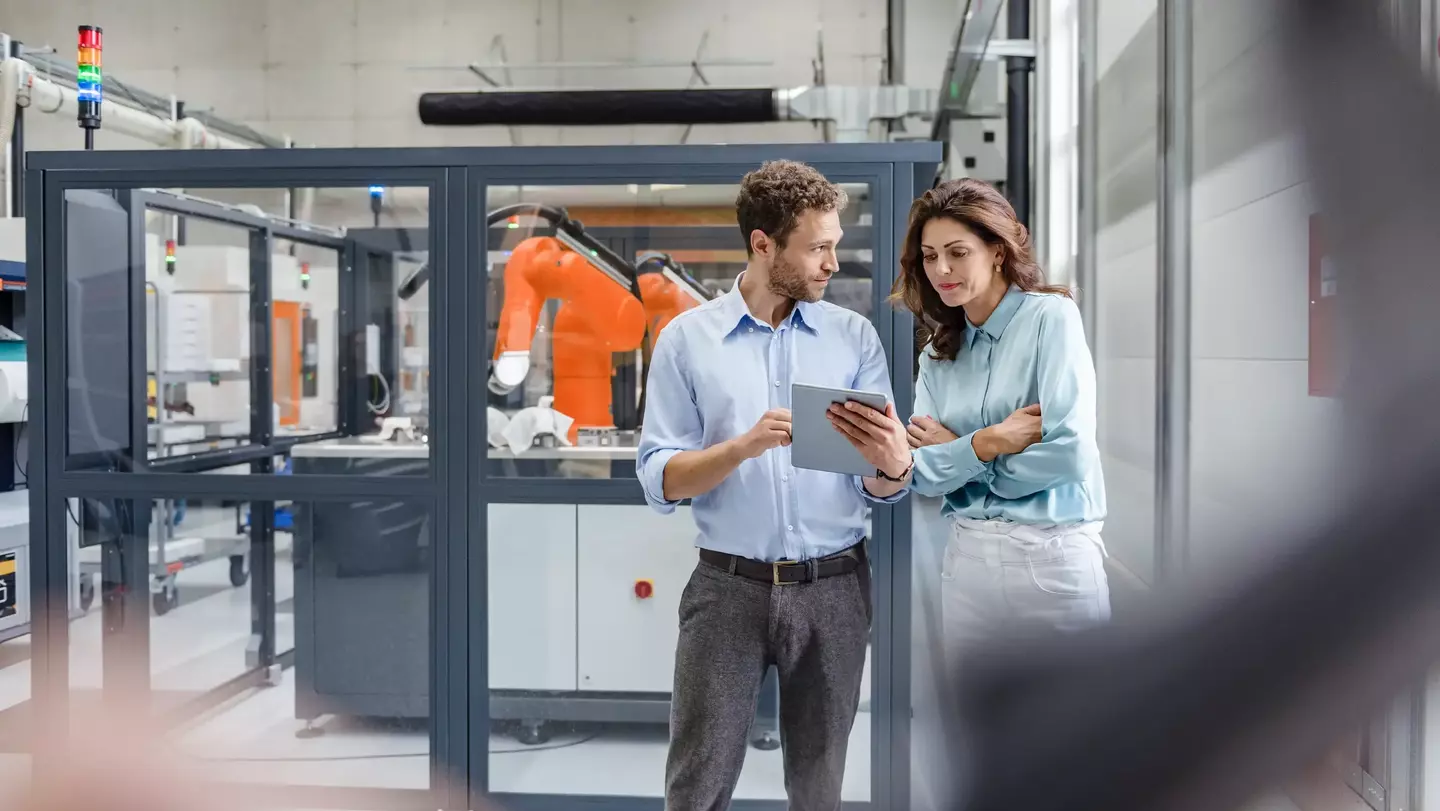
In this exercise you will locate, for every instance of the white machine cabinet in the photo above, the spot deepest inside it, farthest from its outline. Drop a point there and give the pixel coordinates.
(633, 565)
(532, 596)
(585, 599)
(14, 564)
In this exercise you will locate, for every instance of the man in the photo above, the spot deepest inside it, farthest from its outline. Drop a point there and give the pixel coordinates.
(783, 577)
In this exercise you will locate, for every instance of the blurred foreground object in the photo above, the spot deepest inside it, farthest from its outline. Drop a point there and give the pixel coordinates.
(1234, 693)
(116, 761)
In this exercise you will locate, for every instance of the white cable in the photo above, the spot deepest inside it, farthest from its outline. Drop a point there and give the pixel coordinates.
(384, 404)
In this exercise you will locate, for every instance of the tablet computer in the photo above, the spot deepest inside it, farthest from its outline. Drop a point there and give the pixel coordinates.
(815, 443)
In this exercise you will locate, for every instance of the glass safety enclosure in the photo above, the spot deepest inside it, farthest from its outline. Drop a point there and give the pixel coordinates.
(295, 489)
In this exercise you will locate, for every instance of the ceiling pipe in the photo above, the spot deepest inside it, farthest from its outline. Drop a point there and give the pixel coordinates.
(22, 86)
(48, 65)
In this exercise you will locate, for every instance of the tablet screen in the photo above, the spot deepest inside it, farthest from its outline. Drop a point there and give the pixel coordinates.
(816, 444)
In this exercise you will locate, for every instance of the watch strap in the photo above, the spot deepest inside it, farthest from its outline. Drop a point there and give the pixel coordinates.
(880, 474)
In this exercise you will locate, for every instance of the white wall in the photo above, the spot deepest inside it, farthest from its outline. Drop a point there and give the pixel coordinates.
(1262, 451)
(1259, 456)
(1124, 285)
(349, 72)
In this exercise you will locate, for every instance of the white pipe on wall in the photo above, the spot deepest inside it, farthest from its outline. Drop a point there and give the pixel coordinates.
(21, 85)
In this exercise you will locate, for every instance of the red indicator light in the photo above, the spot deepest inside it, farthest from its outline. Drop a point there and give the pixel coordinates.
(644, 589)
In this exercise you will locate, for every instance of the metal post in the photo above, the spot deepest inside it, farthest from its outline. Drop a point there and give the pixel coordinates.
(8, 49)
(1172, 418)
(1017, 111)
(262, 433)
(894, 44)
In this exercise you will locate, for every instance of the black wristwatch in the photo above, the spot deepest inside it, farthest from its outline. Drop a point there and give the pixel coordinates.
(880, 474)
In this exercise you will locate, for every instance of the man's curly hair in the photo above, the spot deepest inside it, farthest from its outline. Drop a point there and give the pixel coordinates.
(773, 197)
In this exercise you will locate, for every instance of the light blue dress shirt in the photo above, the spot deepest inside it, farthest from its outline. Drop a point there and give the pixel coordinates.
(714, 372)
(1030, 350)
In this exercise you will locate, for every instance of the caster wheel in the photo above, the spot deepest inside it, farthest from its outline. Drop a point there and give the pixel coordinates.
(309, 732)
(532, 733)
(87, 592)
(239, 574)
(766, 742)
(166, 600)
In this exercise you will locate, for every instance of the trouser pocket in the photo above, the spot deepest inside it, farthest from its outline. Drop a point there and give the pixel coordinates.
(1063, 585)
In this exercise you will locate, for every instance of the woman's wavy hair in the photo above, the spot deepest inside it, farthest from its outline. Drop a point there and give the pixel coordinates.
(983, 209)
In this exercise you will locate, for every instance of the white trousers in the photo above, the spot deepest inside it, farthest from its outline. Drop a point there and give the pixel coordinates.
(998, 574)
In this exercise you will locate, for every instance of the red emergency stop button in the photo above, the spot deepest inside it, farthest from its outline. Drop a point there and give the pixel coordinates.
(644, 589)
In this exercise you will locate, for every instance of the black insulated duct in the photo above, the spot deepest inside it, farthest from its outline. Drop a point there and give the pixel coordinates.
(583, 108)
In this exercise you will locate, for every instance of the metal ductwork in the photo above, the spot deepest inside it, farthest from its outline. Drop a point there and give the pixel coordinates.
(852, 109)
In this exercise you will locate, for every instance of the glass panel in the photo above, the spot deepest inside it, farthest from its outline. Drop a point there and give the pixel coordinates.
(584, 710)
(305, 359)
(681, 244)
(336, 386)
(346, 575)
(202, 554)
(580, 679)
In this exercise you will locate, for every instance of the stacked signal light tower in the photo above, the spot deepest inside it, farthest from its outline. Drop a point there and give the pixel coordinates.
(90, 84)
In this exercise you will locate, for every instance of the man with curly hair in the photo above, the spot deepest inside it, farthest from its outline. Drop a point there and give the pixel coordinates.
(783, 577)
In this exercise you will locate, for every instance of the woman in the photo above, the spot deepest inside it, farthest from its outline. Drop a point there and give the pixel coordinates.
(1004, 420)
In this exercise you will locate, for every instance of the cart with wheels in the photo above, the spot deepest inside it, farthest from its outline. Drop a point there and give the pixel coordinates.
(169, 555)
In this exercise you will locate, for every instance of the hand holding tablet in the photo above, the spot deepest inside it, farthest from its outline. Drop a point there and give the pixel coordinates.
(846, 431)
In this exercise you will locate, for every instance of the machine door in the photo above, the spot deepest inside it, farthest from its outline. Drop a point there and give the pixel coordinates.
(288, 361)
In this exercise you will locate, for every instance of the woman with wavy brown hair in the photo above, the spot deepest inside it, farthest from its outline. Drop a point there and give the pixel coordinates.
(1004, 419)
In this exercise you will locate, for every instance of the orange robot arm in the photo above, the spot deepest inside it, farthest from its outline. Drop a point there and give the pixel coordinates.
(597, 318)
(664, 300)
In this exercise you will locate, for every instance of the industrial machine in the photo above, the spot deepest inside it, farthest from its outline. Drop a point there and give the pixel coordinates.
(582, 597)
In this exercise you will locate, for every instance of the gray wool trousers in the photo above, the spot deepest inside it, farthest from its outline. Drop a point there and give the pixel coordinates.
(731, 630)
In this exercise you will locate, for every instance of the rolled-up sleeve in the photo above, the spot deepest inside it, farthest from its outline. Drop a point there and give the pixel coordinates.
(874, 375)
(672, 418)
(942, 469)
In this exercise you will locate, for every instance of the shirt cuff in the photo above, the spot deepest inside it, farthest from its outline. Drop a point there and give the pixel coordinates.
(868, 496)
(965, 460)
(652, 480)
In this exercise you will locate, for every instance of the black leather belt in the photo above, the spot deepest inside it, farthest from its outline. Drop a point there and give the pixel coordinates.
(788, 572)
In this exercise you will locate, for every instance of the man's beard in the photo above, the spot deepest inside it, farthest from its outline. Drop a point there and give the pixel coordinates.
(789, 281)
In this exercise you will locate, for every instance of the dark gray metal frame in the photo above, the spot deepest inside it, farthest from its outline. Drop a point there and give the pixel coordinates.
(456, 488)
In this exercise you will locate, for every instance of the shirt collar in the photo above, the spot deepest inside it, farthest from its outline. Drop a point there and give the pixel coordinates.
(994, 326)
(806, 315)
